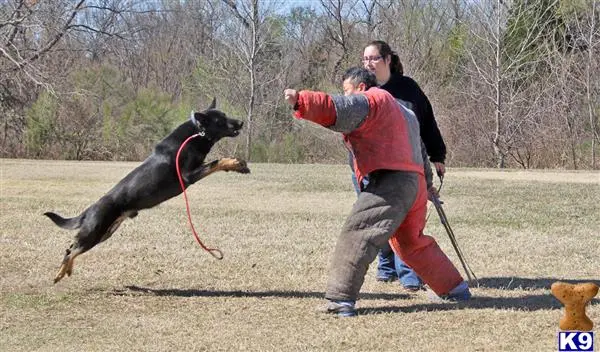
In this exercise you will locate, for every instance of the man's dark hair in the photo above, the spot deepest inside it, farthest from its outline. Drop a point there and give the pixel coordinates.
(360, 75)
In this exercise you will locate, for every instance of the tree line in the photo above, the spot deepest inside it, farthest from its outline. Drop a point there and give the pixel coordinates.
(513, 83)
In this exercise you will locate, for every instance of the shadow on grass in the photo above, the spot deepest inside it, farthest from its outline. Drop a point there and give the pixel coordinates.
(238, 293)
(525, 303)
(531, 302)
(520, 283)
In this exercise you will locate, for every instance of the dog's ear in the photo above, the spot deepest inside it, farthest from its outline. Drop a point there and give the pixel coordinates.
(213, 105)
(199, 117)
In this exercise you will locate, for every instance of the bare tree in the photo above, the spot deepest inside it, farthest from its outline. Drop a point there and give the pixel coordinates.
(504, 54)
(371, 18)
(417, 30)
(592, 88)
(585, 31)
(249, 42)
(28, 32)
(342, 18)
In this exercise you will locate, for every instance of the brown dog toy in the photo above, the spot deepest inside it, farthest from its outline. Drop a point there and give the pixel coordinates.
(575, 298)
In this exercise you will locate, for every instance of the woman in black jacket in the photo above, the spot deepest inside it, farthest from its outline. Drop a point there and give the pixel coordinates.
(379, 58)
(385, 64)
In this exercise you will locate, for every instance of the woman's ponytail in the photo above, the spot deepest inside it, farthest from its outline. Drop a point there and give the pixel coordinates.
(395, 64)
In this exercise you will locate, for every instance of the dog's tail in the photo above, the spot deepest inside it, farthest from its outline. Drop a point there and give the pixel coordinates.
(68, 224)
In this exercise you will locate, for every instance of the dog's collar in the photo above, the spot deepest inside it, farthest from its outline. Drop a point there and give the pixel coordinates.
(201, 132)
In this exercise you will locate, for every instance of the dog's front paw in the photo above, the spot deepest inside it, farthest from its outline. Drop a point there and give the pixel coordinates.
(237, 165)
(242, 167)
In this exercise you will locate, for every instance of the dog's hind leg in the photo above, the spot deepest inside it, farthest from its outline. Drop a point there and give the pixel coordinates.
(66, 267)
(225, 164)
(84, 241)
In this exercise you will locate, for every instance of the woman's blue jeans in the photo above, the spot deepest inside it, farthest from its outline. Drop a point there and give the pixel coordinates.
(391, 266)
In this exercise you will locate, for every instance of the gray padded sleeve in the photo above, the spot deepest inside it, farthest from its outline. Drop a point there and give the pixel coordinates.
(350, 111)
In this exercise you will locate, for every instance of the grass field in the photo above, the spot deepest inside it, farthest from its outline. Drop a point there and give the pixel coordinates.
(152, 288)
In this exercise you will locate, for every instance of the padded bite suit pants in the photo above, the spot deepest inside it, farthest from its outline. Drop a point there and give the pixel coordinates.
(391, 208)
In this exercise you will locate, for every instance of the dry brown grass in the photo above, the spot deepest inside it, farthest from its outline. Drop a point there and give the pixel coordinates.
(151, 288)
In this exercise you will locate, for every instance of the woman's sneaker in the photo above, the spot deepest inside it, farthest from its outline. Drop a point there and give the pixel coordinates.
(340, 308)
(386, 278)
(457, 294)
(413, 288)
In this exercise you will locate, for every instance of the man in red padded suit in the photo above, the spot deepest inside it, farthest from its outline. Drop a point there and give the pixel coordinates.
(386, 146)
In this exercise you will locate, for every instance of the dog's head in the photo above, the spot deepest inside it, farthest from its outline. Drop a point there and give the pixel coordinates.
(215, 124)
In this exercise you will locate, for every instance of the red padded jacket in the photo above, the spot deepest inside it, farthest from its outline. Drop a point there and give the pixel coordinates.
(373, 125)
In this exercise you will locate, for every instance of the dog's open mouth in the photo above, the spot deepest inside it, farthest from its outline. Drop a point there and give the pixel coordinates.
(235, 128)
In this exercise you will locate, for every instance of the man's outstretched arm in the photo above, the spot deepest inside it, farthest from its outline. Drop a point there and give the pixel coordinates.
(339, 113)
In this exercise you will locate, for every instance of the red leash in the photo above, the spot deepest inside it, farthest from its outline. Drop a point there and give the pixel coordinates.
(212, 251)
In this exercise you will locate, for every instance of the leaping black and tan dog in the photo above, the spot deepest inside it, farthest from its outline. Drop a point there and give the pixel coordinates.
(153, 182)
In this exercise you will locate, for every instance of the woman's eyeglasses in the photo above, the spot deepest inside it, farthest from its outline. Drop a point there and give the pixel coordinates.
(367, 59)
